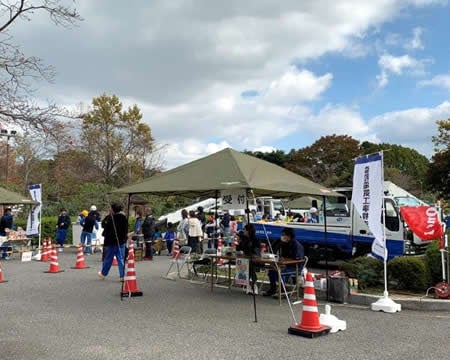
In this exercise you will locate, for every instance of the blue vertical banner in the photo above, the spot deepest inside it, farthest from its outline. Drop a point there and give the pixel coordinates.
(367, 198)
(34, 217)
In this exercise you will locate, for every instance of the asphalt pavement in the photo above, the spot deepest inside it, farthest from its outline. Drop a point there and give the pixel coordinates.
(75, 315)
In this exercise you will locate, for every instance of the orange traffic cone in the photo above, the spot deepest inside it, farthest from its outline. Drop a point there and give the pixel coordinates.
(115, 262)
(130, 287)
(310, 326)
(219, 250)
(175, 249)
(44, 254)
(2, 280)
(54, 267)
(80, 264)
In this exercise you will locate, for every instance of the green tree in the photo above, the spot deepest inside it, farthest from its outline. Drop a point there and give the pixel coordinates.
(442, 140)
(438, 176)
(114, 137)
(403, 166)
(277, 157)
(328, 161)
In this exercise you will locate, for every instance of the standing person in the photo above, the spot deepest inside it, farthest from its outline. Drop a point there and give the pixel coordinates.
(90, 223)
(169, 236)
(249, 244)
(288, 248)
(201, 216)
(225, 226)
(183, 228)
(115, 233)
(137, 229)
(148, 230)
(62, 226)
(6, 222)
(93, 209)
(82, 216)
(195, 231)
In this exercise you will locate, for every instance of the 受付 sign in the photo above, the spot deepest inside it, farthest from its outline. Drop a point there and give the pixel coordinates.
(233, 199)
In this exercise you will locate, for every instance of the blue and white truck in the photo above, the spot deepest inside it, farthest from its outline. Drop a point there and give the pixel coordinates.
(344, 234)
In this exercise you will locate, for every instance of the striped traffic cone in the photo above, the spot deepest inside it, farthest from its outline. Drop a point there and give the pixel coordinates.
(2, 280)
(175, 249)
(44, 254)
(130, 287)
(310, 326)
(115, 262)
(80, 264)
(54, 266)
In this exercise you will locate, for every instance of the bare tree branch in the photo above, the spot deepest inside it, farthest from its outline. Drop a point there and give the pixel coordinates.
(19, 72)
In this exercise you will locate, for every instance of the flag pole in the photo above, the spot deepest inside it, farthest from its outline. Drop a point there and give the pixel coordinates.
(385, 303)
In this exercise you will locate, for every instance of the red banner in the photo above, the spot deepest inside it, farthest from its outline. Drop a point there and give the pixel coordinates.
(423, 221)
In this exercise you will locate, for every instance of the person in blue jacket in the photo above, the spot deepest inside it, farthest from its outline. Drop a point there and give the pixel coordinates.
(169, 236)
(62, 226)
(287, 248)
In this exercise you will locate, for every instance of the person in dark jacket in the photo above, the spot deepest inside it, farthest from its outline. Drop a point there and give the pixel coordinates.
(286, 248)
(250, 246)
(115, 234)
(90, 223)
(6, 222)
(62, 226)
(148, 230)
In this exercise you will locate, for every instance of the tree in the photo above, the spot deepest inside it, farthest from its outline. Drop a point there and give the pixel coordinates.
(403, 166)
(115, 138)
(17, 70)
(328, 161)
(277, 157)
(442, 140)
(438, 177)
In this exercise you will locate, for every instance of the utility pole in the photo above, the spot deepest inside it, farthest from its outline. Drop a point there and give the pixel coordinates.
(8, 135)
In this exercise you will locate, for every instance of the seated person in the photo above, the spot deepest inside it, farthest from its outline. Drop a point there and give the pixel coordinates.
(287, 248)
(313, 216)
(249, 244)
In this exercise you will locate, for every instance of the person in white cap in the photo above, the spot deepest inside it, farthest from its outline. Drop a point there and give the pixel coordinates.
(93, 209)
(313, 216)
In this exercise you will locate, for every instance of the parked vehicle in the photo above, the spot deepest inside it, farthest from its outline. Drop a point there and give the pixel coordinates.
(346, 232)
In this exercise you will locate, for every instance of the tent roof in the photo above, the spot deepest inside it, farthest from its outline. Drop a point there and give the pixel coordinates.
(304, 202)
(228, 169)
(11, 198)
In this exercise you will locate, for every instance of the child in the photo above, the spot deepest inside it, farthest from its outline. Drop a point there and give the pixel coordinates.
(169, 236)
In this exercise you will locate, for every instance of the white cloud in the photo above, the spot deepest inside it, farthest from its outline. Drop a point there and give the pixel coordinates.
(442, 81)
(185, 64)
(339, 120)
(297, 86)
(411, 127)
(398, 65)
(416, 41)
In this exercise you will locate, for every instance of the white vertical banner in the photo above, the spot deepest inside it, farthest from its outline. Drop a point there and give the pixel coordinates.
(233, 199)
(34, 217)
(367, 198)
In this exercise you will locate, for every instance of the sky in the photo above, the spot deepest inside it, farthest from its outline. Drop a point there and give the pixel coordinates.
(257, 75)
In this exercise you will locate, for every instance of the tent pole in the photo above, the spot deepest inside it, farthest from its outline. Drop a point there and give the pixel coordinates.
(325, 234)
(251, 265)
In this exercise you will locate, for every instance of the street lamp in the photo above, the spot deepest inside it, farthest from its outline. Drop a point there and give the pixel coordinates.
(8, 134)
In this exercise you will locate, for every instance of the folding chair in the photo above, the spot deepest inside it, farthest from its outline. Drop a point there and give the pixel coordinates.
(204, 261)
(182, 259)
(293, 280)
